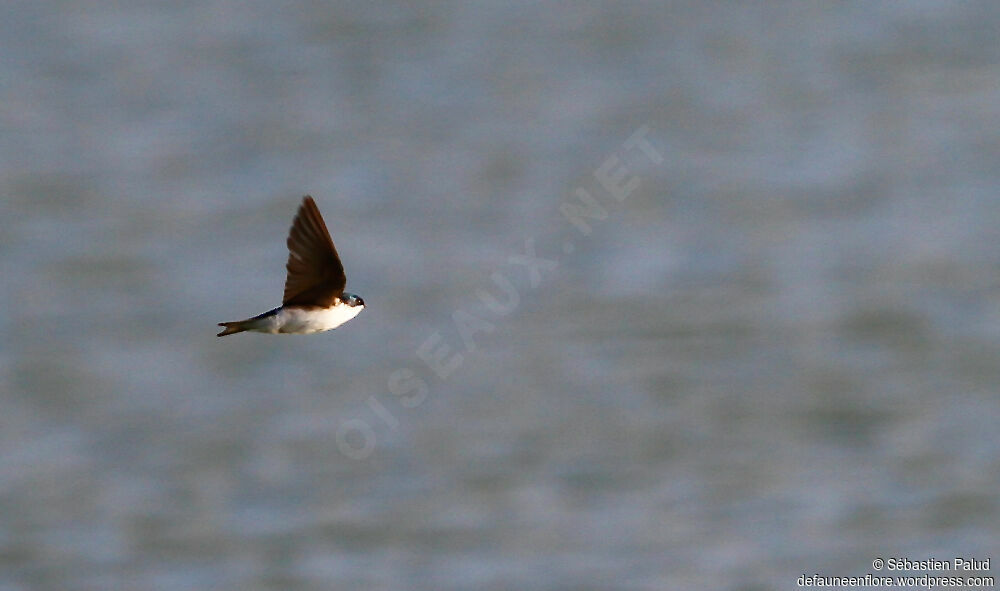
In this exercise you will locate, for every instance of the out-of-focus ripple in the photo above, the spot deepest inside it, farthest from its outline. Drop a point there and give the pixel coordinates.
(778, 356)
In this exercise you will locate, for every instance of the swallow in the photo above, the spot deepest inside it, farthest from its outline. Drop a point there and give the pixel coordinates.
(314, 299)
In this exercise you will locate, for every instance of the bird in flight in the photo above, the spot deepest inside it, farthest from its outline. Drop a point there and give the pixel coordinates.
(314, 299)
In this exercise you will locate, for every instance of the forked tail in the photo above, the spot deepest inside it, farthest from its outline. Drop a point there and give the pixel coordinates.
(232, 327)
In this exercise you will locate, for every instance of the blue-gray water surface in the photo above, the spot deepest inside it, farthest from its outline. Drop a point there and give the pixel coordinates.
(704, 296)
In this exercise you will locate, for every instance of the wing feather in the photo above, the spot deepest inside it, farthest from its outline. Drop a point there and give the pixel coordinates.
(315, 273)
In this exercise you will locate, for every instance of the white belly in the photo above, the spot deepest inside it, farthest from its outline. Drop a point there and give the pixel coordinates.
(303, 321)
(300, 321)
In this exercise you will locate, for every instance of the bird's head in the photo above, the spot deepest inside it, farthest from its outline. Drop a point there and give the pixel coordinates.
(352, 300)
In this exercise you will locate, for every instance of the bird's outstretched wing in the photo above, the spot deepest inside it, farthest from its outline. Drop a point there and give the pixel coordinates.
(315, 273)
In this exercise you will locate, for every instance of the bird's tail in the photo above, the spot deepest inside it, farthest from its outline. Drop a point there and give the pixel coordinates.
(232, 327)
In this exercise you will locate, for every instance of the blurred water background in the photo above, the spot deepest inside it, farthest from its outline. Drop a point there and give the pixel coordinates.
(779, 355)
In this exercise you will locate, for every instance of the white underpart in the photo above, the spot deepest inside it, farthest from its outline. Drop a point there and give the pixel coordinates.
(302, 321)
